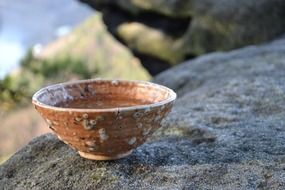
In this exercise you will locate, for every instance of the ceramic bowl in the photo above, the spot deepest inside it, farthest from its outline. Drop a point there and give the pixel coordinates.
(104, 119)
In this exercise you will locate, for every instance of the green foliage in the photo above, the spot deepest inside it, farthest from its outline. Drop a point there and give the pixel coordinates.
(61, 66)
(14, 89)
(17, 89)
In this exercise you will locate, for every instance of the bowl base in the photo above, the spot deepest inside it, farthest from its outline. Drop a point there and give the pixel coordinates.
(102, 157)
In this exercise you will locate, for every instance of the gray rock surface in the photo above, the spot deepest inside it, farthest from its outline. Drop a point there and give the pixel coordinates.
(169, 32)
(226, 131)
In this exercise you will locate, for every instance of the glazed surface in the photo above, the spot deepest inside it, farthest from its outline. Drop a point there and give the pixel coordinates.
(77, 113)
(99, 94)
(100, 102)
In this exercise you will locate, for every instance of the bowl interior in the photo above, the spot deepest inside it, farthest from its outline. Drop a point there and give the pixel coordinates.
(103, 94)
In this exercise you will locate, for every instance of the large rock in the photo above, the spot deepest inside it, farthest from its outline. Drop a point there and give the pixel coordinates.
(226, 131)
(168, 32)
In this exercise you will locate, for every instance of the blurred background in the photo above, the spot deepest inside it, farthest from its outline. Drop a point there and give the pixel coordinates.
(48, 41)
(26, 28)
(44, 42)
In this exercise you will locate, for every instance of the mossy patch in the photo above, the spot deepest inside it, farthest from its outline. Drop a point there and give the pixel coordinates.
(195, 135)
(4, 158)
(154, 42)
(102, 175)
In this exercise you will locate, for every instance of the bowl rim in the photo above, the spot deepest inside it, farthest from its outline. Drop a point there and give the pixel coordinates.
(36, 102)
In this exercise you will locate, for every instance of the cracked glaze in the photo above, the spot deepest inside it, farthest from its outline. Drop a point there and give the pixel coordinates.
(111, 122)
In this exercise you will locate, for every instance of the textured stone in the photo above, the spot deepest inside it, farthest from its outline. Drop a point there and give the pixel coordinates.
(226, 131)
(168, 32)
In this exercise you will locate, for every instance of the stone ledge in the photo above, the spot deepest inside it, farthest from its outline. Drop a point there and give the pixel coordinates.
(226, 131)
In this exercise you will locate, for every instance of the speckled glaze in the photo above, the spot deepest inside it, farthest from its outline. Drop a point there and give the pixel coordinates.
(107, 133)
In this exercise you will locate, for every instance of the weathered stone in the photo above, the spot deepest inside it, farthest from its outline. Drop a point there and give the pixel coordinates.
(172, 31)
(164, 47)
(226, 131)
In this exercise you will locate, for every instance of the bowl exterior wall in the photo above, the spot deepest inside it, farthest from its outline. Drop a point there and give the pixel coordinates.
(105, 133)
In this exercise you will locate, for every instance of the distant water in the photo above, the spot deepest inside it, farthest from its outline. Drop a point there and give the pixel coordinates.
(23, 25)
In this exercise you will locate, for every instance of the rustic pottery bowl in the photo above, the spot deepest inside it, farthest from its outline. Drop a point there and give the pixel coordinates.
(104, 119)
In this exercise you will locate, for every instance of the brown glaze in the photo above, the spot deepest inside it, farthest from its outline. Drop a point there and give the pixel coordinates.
(104, 119)
(102, 103)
